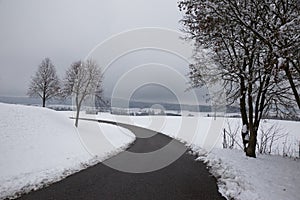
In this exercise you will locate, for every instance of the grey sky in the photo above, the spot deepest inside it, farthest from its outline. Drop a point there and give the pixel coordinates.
(67, 30)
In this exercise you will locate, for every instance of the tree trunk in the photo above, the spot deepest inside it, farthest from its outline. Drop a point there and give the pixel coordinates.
(243, 109)
(78, 105)
(44, 96)
(44, 101)
(77, 117)
(292, 84)
(250, 151)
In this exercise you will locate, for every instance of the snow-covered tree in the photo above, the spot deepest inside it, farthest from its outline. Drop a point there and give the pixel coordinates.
(45, 83)
(278, 28)
(230, 50)
(82, 80)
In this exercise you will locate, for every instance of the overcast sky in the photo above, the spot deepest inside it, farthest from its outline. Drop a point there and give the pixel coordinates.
(67, 30)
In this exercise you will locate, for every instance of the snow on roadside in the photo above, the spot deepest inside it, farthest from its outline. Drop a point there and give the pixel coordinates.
(239, 177)
(103, 140)
(40, 146)
(242, 178)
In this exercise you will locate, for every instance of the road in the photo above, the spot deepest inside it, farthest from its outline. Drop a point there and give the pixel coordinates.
(182, 179)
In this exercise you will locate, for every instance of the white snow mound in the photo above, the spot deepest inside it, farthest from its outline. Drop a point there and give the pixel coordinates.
(39, 146)
(243, 178)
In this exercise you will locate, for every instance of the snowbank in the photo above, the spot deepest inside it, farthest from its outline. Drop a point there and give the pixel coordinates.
(39, 146)
(263, 178)
(103, 140)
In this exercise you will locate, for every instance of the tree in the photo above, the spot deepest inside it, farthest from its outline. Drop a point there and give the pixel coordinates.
(245, 64)
(82, 80)
(45, 83)
(100, 103)
(278, 28)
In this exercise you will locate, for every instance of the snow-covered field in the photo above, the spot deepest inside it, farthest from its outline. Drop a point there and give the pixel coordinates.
(239, 177)
(199, 130)
(39, 146)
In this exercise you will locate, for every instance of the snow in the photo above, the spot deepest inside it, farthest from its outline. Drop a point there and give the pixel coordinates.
(244, 129)
(189, 129)
(98, 139)
(280, 61)
(263, 178)
(195, 130)
(288, 143)
(40, 146)
(239, 177)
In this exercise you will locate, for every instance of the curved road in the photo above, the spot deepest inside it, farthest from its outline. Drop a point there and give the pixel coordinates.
(183, 179)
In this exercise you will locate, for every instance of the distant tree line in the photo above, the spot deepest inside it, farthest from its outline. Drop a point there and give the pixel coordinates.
(82, 79)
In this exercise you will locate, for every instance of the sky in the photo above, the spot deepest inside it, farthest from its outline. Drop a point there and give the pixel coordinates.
(70, 30)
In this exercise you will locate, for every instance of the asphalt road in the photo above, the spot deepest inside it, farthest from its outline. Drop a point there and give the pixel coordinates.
(182, 179)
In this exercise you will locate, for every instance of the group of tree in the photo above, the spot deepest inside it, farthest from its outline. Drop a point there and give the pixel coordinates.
(82, 79)
(252, 49)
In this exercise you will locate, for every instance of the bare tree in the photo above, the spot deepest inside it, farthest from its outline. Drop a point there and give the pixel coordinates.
(101, 103)
(45, 83)
(82, 80)
(268, 136)
(230, 135)
(247, 65)
(232, 132)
